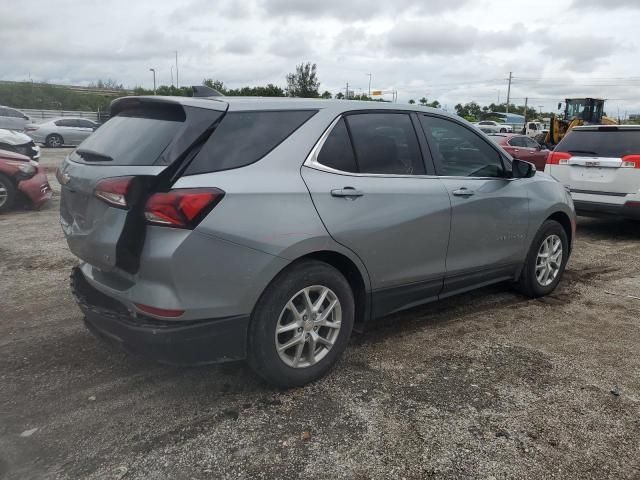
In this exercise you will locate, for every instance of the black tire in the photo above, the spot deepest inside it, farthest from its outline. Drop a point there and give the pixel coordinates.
(528, 284)
(54, 141)
(7, 193)
(262, 354)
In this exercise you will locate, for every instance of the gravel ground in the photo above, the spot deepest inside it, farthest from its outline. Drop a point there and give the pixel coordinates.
(485, 385)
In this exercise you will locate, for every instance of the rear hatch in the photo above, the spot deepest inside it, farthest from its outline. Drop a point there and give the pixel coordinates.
(598, 160)
(142, 146)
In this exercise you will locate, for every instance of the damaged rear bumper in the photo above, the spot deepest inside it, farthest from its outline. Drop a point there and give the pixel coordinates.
(174, 342)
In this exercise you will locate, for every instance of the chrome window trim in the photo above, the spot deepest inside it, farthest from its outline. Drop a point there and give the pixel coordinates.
(312, 162)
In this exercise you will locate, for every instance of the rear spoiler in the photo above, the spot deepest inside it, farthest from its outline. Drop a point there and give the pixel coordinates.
(204, 91)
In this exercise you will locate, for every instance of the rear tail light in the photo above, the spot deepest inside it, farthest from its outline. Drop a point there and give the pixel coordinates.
(114, 191)
(181, 208)
(631, 161)
(31, 129)
(558, 158)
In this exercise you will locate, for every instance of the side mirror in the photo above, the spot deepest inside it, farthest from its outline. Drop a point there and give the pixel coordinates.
(522, 169)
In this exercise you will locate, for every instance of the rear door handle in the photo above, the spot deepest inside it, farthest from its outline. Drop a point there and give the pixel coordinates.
(463, 192)
(347, 192)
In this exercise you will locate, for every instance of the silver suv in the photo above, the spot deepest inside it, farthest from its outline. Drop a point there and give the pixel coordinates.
(217, 229)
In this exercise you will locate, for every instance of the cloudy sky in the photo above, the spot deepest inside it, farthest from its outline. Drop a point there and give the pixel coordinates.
(450, 50)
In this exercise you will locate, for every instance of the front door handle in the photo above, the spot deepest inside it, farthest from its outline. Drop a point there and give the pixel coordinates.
(463, 192)
(347, 192)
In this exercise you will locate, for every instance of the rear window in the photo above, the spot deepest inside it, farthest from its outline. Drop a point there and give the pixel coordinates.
(133, 137)
(243, 138)
(601, 143)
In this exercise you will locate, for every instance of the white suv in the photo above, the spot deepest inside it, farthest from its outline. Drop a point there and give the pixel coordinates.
(601, 167)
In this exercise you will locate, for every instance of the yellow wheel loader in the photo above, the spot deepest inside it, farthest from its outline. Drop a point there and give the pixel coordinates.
(577, 112)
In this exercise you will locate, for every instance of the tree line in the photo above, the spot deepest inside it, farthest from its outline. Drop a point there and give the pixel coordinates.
(303, 82)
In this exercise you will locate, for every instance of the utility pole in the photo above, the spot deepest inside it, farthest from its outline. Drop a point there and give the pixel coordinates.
(154, 79)
(177, 75)
(540, 108)
(172, 75)
(526, 102)
(509, 90)
(369, 84)
(347, 92)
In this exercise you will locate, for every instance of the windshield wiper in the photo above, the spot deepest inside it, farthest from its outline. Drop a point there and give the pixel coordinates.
(93, 156)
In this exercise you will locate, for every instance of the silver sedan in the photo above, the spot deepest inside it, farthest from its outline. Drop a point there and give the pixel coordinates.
(61, 131)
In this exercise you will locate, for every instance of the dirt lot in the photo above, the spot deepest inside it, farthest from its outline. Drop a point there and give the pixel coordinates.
(485, 385)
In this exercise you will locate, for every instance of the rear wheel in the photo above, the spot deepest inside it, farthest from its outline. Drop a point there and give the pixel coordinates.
(7, 193)
(301, 324)
(54, 141)
(546, 261)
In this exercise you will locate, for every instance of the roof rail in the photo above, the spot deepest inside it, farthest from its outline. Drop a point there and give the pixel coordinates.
(204, 91)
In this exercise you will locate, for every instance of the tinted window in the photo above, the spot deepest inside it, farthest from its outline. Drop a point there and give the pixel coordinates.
(3, 112)
(14, 113)
(243, 138)
(517, 142)
(460, 152)
(127, 139)
(385, 143)
(612, 143)
(84, 123)
(65, 123)
(530, 143)
(337, 151)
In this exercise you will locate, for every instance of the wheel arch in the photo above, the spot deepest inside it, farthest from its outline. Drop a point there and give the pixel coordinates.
(563, 219)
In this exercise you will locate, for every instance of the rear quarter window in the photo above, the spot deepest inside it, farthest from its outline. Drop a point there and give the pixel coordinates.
(243, 138)
(601, 143)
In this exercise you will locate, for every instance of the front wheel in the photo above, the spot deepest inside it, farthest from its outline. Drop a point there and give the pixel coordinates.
(54, 141)
(546, 261)
(301, 324)
(7, 193)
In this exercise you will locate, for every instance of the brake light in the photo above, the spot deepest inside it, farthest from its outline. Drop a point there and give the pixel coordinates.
(631, 161)
(181, 208)
(159, 312)
(559, 158)
(31, 129)
(114, 191)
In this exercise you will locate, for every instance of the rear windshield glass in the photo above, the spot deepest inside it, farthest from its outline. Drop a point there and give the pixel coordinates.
(611, 143)
(243, 138)
(132, 138)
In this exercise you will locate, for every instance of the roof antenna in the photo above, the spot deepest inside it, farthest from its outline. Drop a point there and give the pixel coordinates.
(204, 91)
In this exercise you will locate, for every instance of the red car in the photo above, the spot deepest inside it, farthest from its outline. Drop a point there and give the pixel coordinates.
(20, 177)
(522, 148)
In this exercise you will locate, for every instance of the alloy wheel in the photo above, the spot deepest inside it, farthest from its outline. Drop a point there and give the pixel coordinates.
(4, 194)
(308, 326)
(549, 260)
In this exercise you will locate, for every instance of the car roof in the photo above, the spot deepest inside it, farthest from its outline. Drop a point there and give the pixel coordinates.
(605, 128)
(278, 103)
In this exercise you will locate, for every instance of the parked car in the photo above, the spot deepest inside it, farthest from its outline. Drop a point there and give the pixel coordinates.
(494, 126)
(227, 228)
(14, 141)
(601, 167)
(62, 131)
(12, 119)
(522, 148)
(21, 179)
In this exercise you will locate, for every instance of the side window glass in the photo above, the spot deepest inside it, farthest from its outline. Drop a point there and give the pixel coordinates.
(385, 143)
(530, 143)
(337, 151)
(517, 142)
(460, 152)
